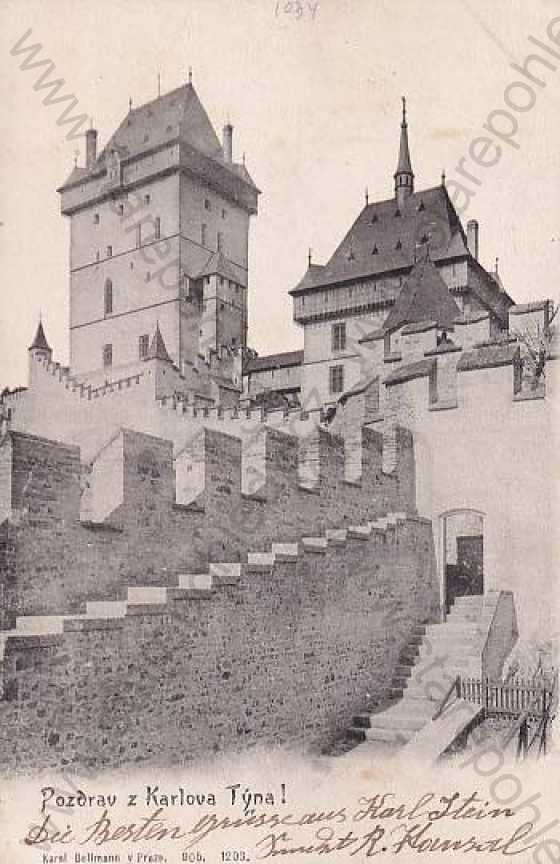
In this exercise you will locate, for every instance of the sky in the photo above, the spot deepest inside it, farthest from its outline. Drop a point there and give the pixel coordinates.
(315, 103)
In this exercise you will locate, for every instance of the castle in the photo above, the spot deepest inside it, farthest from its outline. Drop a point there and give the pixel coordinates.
(171, 492)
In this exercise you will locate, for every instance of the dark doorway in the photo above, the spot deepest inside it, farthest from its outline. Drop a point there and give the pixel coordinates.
(464, 555)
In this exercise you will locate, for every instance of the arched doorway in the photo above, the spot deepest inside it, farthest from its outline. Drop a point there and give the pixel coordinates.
(462, 554)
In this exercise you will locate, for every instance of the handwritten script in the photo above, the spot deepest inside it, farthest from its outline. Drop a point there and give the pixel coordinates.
(380, 823)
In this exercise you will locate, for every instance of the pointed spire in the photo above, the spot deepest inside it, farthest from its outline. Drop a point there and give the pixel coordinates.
(190, 74)
(40, 340)
(367, 196)
(443, 178)
(130, 103)
(309, 251)
(157, 350)
(404, 175)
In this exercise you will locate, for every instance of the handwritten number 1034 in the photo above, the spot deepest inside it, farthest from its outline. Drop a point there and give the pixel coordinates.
(296, 9)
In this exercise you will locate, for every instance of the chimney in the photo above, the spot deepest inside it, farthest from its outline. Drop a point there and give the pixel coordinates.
(472, 237)
(228, 142)
(91, 148)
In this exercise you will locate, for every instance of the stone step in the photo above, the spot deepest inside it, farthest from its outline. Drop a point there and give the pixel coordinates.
(260, 562)
(450, 630)
(314, 544)
(37, 625)
(357, 733)
(394, 735)
(403, 670)
(463, 615)
(336, 536)
(285, 551)
(359, 532)
(106, 608)
(469, 600)
(198, 581)
(150, 594)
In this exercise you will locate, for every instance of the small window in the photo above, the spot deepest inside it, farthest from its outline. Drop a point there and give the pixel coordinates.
(399, 245)
(138, 236)
(143, 346)
(107, 356)
(96, 218)
(121, 209)
(220, 241)
(224, 214)
(375, 251)
(108, 297)
(147, 198)
(157, 228)
(203, 234)
(338, 336)
(336, 379)
(207, 205)
(109, 251)
(97, 255)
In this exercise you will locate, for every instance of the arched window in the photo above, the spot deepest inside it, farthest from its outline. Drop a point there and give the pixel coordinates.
(108, 297)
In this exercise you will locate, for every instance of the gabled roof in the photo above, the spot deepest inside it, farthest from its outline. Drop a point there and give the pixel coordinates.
(384, 239)
(274, 361)
(157, 349)
(40, 340)
(424, 297)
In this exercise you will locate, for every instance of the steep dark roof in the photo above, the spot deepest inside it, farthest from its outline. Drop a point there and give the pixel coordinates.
(424, 298)
(157, 350)
(40, 340)
(311, 276)
(419, 369)
(487, 356)
(404, 165)
(217, 264)
(384, 239)
(274, 361)
(178, 114)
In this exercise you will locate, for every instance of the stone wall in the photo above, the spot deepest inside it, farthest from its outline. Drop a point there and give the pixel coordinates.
(53, 565)
(281, 653)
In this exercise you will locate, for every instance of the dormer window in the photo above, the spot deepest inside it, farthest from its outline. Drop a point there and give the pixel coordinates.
(375, 251)
(374, 218)
(421, 207)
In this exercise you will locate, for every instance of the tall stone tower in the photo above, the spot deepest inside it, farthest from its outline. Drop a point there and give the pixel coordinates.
(159, 229)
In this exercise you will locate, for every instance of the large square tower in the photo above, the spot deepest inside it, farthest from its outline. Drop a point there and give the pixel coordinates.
(159, 228)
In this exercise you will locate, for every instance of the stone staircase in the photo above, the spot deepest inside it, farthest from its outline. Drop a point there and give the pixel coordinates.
(47, 629)
(436, 654)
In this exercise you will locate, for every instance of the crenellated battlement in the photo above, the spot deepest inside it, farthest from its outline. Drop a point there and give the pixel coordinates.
(85, 526)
